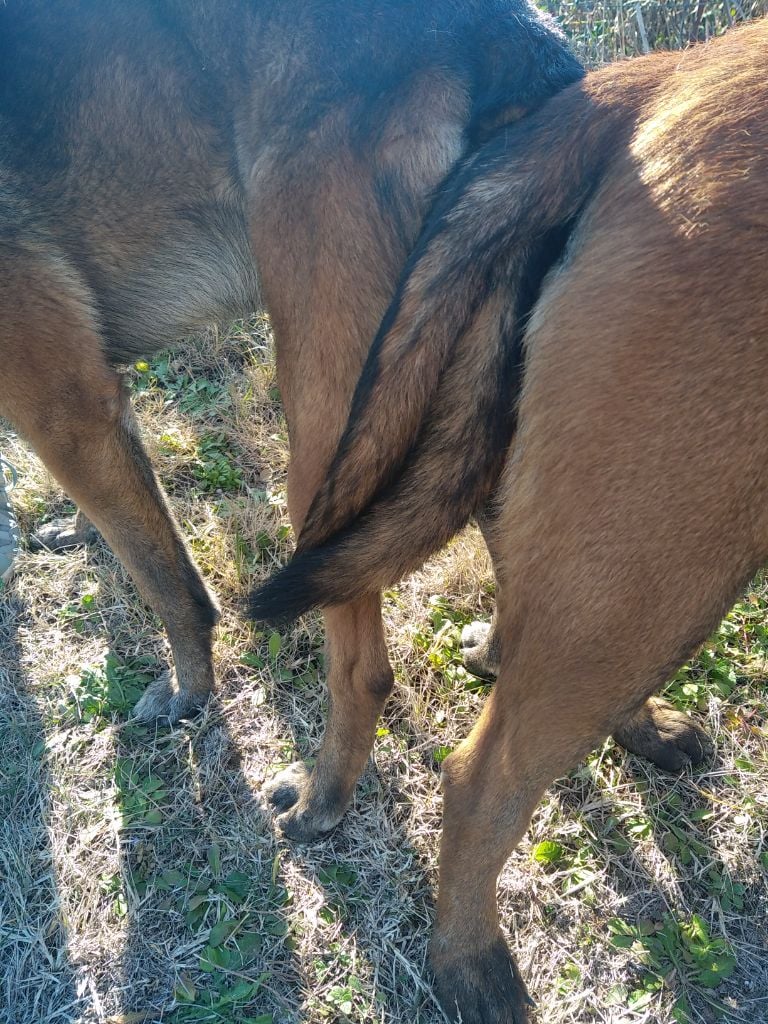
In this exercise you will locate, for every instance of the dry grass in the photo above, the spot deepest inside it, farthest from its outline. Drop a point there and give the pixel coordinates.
(119, 845)
(604, 30)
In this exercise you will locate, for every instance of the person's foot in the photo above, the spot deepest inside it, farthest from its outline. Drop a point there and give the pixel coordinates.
(9, 529)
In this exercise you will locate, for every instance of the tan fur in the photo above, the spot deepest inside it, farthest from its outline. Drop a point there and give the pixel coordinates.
(635, 501)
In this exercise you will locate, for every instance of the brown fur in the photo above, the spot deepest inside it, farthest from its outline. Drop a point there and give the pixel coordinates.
(634, 502)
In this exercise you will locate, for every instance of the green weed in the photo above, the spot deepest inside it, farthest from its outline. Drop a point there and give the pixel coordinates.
(441, 643)
(669, 949)
(140, 798)
(196, 395)
(215, 466)
(107, 689)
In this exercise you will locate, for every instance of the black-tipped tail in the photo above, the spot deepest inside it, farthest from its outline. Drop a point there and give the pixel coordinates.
(292, 590)
(507, 222)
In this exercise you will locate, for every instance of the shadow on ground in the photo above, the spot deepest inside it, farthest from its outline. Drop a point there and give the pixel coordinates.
(38, 980)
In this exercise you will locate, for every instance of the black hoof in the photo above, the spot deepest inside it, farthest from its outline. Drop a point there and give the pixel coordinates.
(284, 790)
(665, 736)
(481, 988)
(63, 534)
(302, 816)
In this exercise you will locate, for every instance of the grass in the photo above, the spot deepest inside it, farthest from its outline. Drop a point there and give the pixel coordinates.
(141, 879)
(604, 30)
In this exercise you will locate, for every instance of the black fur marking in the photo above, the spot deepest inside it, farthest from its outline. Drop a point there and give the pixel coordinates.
(306, 582)
(472, 274)
(485, 988)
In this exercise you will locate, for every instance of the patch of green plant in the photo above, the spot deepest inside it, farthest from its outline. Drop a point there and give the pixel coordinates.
(215, 904)
(273, 645)
(682, 843)
(215, 468)
(389, 743)
(113, 889)
(335, 955)
(80, 612)
(340, 882)
(201, 394)
(579, 873)
(548, 852)
(109, 688)
(440, 753)
(140, 797)
(218, 1003)
(245, 556)
(312, 664)
(569, 979)
(269, 542)
(692, 685)
(575, 867)
(195, 395)
(252, 660)
(683, 947)
(197, 892)
(638, 826)
(346, 1000)
(171, 444)
(340, 877)
(441, 643)
(729, 894)
(736, 650)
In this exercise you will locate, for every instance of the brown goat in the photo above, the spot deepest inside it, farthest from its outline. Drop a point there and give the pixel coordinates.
(567, 313)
